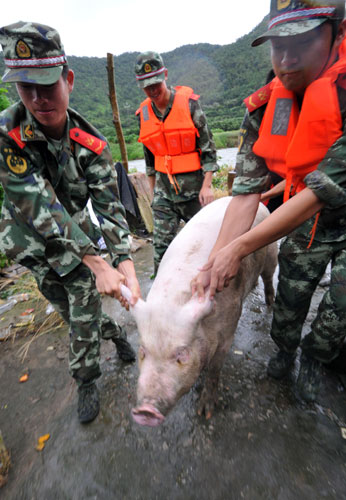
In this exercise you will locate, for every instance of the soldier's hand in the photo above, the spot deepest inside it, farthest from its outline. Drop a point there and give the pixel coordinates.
(206, 196)
(108, 282)
(108, 279)
(201, 282)
(127, 269)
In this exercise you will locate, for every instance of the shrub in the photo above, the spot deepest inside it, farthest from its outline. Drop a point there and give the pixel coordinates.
(220, 179)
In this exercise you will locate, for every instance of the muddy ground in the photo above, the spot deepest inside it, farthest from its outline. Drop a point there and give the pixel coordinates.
(262, 443)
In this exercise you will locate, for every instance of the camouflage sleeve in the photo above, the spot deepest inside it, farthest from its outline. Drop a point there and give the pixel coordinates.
(205, 142)
(104, 194)
(328, 182)
(252, 172)
(149, 161)
(33, 200)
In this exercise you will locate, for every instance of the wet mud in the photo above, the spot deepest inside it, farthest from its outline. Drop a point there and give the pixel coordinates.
(261, 443)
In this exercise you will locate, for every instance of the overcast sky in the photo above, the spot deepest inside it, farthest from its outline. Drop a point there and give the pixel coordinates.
(93, 28)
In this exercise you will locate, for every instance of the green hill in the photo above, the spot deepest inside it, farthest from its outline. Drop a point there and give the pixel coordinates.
(222, 74)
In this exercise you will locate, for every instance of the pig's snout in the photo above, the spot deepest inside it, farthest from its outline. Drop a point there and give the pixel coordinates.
(147, 415)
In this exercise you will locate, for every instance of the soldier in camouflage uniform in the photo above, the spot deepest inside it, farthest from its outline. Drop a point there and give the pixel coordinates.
(182, 195)
(307, 39)
(52, 162)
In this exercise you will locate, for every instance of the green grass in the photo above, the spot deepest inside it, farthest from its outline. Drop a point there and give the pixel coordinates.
(226, 139)
(134, 151)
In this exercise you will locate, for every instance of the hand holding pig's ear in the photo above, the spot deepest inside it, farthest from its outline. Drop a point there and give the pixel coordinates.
(127, 269)
(225, 267)
(139, 310)
(108, 280)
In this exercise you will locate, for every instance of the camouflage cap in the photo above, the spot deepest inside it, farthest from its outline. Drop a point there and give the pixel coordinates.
(33, 53)
(293, 17)
(149, 69)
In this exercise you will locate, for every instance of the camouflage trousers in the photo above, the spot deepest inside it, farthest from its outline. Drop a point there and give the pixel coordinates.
(167, 216)
(300, 272)
(76, 298)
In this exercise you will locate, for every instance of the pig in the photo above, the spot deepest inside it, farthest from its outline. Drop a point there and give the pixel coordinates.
(180, 336)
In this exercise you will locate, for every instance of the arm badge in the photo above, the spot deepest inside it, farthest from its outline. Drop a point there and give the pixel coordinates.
(17, 164)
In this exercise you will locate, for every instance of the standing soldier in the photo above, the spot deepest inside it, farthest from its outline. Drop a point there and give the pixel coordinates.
(179, 151)
(52, 162)
(294, 126)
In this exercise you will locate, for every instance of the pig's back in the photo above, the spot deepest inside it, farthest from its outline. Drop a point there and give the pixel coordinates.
(190, 249)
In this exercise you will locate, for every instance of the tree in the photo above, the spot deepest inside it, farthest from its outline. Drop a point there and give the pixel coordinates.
(4, 101)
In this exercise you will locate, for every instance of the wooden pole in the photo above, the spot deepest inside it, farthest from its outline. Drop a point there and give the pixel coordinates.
(115, 110)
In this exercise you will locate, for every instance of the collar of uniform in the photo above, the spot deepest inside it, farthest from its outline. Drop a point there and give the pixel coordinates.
(56, 145)
(30, 129)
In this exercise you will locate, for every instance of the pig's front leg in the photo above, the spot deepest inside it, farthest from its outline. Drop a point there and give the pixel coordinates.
(209, 396)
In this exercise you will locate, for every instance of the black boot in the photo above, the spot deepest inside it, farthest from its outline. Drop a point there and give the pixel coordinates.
(124, 349)
(88, 403)
(309, 378)
(280, 363)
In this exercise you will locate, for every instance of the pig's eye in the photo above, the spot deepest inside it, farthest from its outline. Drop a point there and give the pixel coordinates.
(141, 353)
(182, 355)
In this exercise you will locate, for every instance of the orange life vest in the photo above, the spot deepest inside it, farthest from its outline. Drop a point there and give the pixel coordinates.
(173, 141)
(293, 142)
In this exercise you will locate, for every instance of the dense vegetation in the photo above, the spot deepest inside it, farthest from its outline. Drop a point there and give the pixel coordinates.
(222, 75)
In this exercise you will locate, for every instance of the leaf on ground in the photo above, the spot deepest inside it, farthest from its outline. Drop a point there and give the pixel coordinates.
(41, 443)
(27, 311)
(44, 438)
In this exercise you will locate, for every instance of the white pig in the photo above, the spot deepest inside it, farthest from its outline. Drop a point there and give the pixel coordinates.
(180, 336)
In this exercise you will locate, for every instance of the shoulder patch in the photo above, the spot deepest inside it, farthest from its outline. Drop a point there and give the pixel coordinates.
(241, 138)
(89, 141)
(258, 98)
(15, 135)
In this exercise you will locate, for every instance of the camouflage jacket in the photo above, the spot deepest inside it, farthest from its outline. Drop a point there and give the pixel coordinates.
(189, 183)
(47, 186)
(328, 181)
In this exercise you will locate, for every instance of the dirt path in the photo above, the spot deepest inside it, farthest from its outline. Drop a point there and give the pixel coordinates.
(260, 444)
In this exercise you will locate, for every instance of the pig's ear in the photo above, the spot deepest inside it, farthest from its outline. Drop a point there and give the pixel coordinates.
(194, 310)
(140, 307)
(139, 311)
